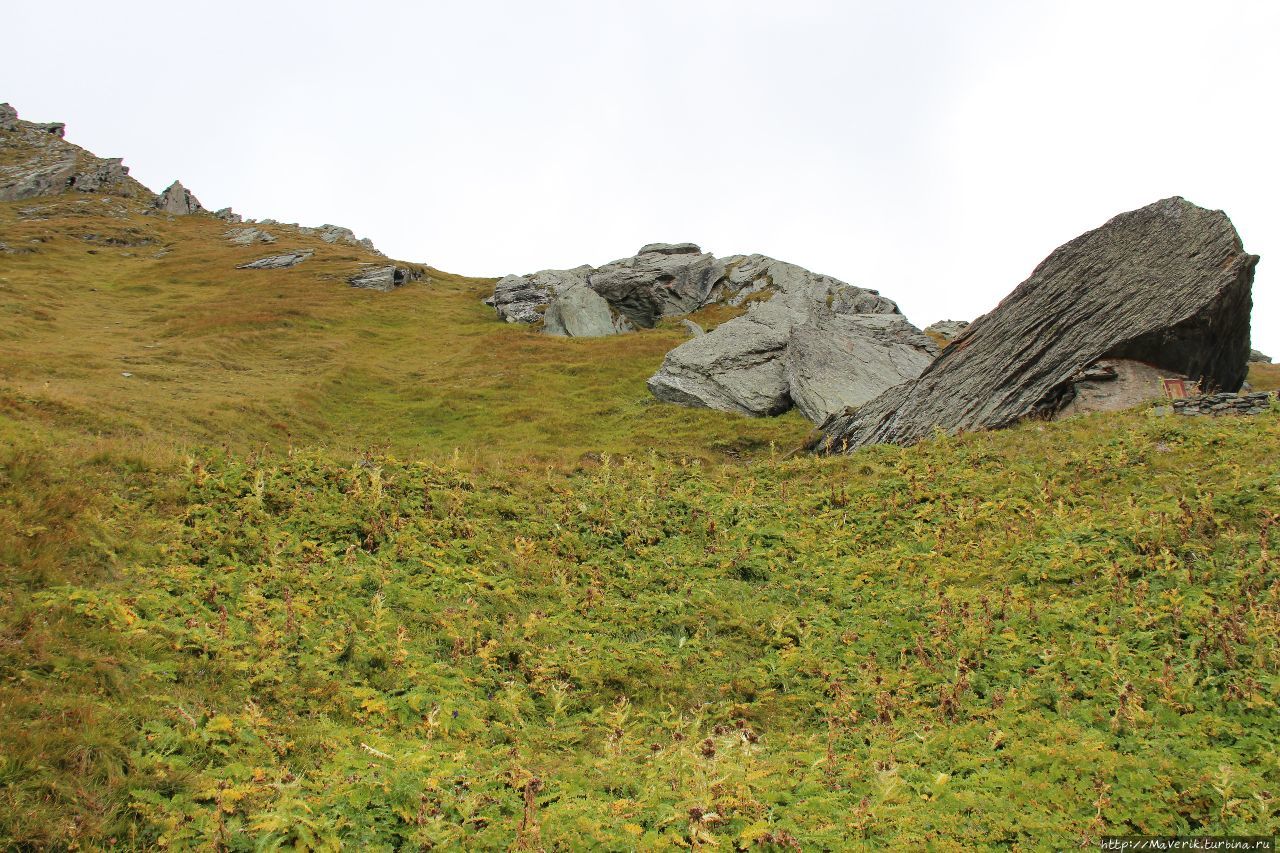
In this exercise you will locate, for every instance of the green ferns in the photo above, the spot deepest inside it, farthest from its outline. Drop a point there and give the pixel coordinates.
(1028, 638)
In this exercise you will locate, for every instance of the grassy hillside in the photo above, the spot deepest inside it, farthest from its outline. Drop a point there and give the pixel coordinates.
(256, 358)
(336, 568)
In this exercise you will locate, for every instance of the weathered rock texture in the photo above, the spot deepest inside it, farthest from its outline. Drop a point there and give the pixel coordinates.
(384, 278)
(946, 331)
(246, 235)
(1114, 384)
(277, 262)
(36, 161)
(1168, 284)
(178, 200)
(818, 344)
(562, 299)
(661, 280)
(1256, 357)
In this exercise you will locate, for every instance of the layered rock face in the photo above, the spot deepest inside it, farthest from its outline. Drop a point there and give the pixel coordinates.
(818, 344)
(36, 161)
(384, 278)
(1168, 285)
(278, 262)
(661, 280)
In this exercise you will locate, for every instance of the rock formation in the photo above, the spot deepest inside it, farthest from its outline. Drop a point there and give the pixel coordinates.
(37, 162)
(1168, 285)
(1256, 357)
(817, 343)
(946, 331)
(247, 235)
(384, 278)
(562, 299)
(278, 262)
(178, 200)
(661, 280)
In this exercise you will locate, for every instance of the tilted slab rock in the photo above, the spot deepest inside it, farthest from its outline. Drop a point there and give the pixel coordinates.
(178, 200)
(384, 278)
(835, 360)
(817, 343)
(36, 179)
(1168, 284)
(277, 262)
(736, 367)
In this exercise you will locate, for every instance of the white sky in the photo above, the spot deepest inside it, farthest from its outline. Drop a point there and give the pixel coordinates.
(935, 151)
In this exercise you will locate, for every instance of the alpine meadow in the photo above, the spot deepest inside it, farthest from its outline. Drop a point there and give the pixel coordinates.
(303, 547)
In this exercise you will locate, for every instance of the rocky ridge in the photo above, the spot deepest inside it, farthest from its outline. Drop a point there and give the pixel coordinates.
(37, 163)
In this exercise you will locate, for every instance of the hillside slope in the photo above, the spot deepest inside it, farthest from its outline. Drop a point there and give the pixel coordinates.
(333, 568)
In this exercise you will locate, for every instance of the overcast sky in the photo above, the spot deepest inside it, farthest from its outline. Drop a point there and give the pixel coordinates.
(935, 151)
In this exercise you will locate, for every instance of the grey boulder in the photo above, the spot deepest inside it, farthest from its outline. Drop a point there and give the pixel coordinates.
(8, 117)
(1168, 285)
(178, 200)
(817, 343)
(662, 280)
(1256, 357)
(384, 278)
(278, 262)
(563, 300)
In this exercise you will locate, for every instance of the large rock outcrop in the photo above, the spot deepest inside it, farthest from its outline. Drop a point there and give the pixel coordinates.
(661, 280)
(1168, 285)
(36, 161)
(178, 200)
(817, 343)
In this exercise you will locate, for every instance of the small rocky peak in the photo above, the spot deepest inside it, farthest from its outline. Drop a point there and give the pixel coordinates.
(178, 200)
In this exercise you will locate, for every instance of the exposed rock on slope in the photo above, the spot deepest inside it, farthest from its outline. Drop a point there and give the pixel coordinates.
(560, 297)
(178, 200)
(818, 344)
(36, 161)
(1256, 357)
(278, 262)
(946, 331)
(661, 280)
(384, 278)
(1168, 284)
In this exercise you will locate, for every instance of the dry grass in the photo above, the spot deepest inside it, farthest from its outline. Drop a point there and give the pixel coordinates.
(250, 358)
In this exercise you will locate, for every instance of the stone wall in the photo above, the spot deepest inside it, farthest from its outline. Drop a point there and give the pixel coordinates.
(1224, 404)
